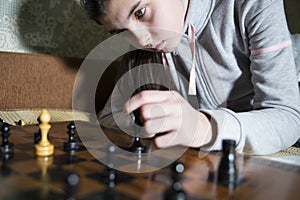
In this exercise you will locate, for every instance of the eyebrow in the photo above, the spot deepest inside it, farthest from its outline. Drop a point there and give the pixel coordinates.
(133, 9)
(116, 31)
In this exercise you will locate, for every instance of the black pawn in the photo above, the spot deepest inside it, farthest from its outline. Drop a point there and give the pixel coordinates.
(71, 143)
(227, 171)
(176, 192)
(1, 123)
(38, 134)
(6, 146)
(136, 146)
(71, 186)
(37, 137)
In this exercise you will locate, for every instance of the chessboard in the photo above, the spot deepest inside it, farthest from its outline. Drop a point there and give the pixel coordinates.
(78, 174)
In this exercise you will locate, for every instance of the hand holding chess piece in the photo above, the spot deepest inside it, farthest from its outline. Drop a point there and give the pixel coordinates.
(44, 147)
(136, 146)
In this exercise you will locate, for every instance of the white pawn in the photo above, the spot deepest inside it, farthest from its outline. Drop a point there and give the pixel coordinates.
(44, 147)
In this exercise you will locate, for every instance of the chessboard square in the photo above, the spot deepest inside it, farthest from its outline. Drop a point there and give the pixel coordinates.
(88, 186)
(149, 189)
(16, 183)
(108, 194)
(25, 147)
(86, 138)
(35, 194)
(22, 139)
(84, 167)
(6, 171)
(19, 155)
(103, 176)
(97, 153)
(136, 167)
(55, 174)
(93, 144)
(156, 161)
(85, 155)
(64, 159)
(58, 143)
(26, 166)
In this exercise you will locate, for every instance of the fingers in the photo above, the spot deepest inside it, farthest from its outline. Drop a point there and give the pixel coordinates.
(165, 109)
(160, 111)
(147, 97)
(170, 139)
(162, 124)
(167, 112)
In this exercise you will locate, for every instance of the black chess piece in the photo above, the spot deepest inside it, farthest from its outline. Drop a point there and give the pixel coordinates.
(1, 123)
(176, 191)
(71, 144)
(38, 134)
(136, 146)
(6, 146)
(71, 186)
(227, 171)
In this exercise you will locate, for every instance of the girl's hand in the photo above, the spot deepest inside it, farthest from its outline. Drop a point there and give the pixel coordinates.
(168, 112)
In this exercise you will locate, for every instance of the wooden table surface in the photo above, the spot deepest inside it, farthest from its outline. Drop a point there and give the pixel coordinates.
(25, 176)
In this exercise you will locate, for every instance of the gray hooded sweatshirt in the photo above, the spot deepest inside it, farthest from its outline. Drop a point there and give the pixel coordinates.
(245, 74)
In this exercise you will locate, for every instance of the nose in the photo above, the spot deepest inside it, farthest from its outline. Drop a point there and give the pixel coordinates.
(140, 37)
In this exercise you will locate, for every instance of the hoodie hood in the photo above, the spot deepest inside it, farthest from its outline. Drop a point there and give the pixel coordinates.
(198, 13)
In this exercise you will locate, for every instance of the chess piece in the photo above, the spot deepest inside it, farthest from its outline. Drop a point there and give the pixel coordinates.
(71, 186)
(176, 192)
(21, 122)
(44, 147)
(71, 144)
(37, 136)
(227, 172)
(6, 146)
(136, 146)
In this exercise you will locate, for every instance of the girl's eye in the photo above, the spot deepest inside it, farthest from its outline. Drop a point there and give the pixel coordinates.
(140, 13)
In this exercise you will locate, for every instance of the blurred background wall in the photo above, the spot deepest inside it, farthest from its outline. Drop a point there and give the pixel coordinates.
(57, 27)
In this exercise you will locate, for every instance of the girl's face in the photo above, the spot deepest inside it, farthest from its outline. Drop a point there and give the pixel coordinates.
(155, 24)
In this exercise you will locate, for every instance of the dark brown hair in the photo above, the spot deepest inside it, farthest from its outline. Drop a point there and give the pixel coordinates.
(95, 9)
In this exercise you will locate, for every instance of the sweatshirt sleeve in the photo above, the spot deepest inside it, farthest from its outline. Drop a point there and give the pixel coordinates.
(274, 122)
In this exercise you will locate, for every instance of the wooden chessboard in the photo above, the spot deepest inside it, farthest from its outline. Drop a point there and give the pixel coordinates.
(25, 176)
